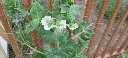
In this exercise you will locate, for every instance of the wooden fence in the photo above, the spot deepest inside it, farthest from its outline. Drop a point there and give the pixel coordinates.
(89, 3)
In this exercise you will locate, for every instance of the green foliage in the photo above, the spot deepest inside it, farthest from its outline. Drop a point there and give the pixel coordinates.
(9, 6)
(74, 11)
(38, 55)
(64, 10)
(125, 55)
(110, 8)
(83, 38)
(23, 11)
(66, 50)
(36, 11)
(32, 25)
(51, 36)
(56, 9)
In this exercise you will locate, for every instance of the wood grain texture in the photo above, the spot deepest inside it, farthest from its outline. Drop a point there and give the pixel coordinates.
(5, 23)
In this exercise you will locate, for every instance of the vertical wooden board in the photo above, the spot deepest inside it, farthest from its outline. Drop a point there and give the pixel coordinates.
(126, 49)
(3, 33)
(111, 20)
(117, 28)
(99, 20)
(120, 38)
(50, 2)
(88, 7)
(123, 45)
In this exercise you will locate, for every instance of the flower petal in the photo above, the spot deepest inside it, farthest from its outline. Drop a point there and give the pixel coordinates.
(63, 22)
(72, 26)
(43, 21)
(47, 17)
(46, 27)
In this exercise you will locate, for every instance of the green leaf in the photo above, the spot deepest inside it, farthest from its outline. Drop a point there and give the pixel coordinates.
(60, 54)
(76, 31)
(69, 47)
(83, 25)
(48, 35)
(47, 48)
(56, 9)
(64, 8)
(75, 11)
(62, 36)
(83, 44)
(70, 2)
(84, 37)
(51, 56)
(38, 55)
(66, 50)
(63, 2)
(32, 25)
(88, 31)
(124, 55)
(36, 11)
(53, 36)
(83, 41)
(23, 11)
(66, 17)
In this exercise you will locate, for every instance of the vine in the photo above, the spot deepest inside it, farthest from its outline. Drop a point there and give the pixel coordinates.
(52, 29)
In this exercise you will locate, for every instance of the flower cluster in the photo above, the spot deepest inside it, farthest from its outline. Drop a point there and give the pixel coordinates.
(49, 23)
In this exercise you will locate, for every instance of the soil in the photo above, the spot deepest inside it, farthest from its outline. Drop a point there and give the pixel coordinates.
(11, 52)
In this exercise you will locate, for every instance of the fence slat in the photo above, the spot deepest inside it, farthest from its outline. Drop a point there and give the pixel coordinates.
(27, 3)
(120, 38)
(111, 20)
(99, 20)
(50, 2)
(126, 48)
(87, 9)
(123, 45)
(7, 27)
(117, 29)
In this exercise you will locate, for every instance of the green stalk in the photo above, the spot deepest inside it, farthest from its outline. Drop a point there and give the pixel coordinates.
(57, 44)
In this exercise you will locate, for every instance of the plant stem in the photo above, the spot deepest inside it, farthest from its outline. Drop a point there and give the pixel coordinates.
(34, 49)
(29, 45)
(57, 44)
(82, 31)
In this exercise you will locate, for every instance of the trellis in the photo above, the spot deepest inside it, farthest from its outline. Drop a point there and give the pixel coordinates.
(89, 3)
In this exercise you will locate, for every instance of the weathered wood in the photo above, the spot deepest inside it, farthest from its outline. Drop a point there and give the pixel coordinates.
(50, 2)
(99, 20)
(88, 8)
(117, 28)
(3, 33)
(6, 25)
(123, 45)
(119, 40)
(111, 20)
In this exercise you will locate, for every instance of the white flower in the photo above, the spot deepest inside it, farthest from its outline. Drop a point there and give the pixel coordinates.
(61, 24)
(47, 22)
(72, 26)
